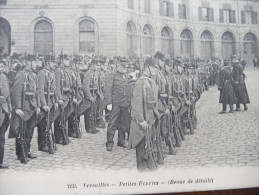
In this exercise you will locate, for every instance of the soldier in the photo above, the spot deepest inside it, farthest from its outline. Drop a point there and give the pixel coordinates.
(26, 106)
(144, 113)
(46, 77)
(239, 85)
(90, 89)
(227, 94)
(64, 88)
(5, 109)
(117, 101)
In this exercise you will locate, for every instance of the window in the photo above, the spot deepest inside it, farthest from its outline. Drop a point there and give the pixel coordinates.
(147, 6)
(3, 2)
(167, 42)
(43, 38)
(249, 17)
(182, 11)
(87, 38)
(206, 14)
(166, 8)
(131, 39)
(130, 4)
(227, 16)
(148, 44)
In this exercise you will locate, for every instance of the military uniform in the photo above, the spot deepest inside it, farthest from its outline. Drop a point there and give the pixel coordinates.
(4, 113)
(31, 104)
(115, 93)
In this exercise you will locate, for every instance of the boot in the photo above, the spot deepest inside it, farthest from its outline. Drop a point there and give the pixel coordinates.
(231, 109)
(245, 107)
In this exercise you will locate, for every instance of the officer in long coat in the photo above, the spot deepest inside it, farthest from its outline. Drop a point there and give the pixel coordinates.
(26, 82)
(144, 115)
(5, 109)
(227, 94)
(239, 85)
(117, 100)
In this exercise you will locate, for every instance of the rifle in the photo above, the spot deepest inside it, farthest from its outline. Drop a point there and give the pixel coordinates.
(62, 124)
(76, 119)
(149, 148)
(21, 143)
(189, 108)
(172, 150)
(49, 131)
(176, 123)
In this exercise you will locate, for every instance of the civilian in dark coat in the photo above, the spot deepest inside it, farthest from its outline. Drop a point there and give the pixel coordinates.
(227, 94)
(256, 63)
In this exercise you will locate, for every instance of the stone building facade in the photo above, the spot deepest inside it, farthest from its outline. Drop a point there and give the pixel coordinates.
(200, 28)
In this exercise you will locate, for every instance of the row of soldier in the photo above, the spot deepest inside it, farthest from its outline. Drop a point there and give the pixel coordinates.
(151, 100)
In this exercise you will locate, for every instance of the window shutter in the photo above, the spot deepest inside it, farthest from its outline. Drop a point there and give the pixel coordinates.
(254, 18)
(211, 14)
(180, 11)
(161, 8)
(171, 10)
(221, 18)
(232, 16)
(200, 13)
(243, 19)
(187, 13)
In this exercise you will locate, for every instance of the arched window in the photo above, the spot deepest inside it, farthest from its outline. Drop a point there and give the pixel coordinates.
(207, 49)
(87, 37)
(148, 42)
(228, 45)
(43, 37)
(5, 35)
(186, 43)
(167, 41)
(131, 39)
(250, 47)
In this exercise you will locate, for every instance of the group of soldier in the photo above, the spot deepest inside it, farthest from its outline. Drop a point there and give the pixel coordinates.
(150, 102)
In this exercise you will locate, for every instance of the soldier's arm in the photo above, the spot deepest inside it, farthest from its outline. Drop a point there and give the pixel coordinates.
(57, 80)
(37, 92)
(86, 86)
(17, 89)
(41, 79)
(107, 92)
(136, 102)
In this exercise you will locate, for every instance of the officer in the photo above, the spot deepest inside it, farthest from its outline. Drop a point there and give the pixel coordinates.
(227, 93)
(144, 115)
(116, 99)
(46, 77)
(239, 85)
(5, 109)
(27, 109)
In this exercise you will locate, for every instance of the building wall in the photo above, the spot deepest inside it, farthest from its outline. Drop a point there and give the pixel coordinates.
(112, 16)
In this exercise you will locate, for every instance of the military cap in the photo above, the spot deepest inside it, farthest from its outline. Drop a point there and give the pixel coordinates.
(233, 56)
(32, 57)
(167, 62)
(235, 61)
(159, 55)
(150, 62)
(112, 61)
(50, 58)
(102, 61)
(123, 62)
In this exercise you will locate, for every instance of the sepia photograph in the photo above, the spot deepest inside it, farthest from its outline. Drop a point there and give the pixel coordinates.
(128, 96)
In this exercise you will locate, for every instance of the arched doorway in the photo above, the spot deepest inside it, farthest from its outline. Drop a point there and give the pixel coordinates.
(5, 35)
(167, 42)
(228, 46)
(186, 43)
(88, 39)
(43, 37)
(207, 49)
(131, 39)
(250, 48)
(148, 42)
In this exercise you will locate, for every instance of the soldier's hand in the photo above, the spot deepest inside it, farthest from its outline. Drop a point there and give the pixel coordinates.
(75, 101)
(19, 112)
(10, 108)
(56, 106)
(38, 111)
(60, 102)
(46, 108)
(144, 125)
(109, 107)
(173, 109)
(167, 111)
(188, 102)
(92, 99)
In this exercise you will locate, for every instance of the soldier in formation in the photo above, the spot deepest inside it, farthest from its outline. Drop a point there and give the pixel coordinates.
(151, 102)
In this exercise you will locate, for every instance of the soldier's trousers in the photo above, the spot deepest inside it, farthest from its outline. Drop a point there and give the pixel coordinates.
(90, 119)
(3, 129)
(119, 120)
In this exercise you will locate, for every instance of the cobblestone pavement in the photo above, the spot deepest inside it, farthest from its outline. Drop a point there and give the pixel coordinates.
(219, 140)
